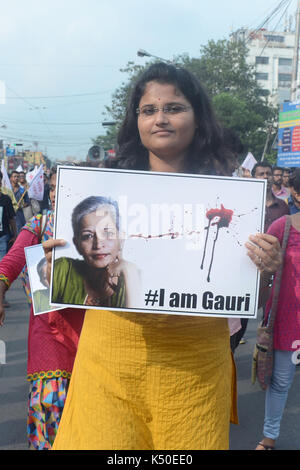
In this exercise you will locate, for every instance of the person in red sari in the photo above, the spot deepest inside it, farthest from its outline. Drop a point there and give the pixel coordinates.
(286, 332)
(52, 339)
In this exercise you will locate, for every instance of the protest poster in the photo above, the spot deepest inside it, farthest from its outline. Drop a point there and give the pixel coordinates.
(156, 242)
(39, 286)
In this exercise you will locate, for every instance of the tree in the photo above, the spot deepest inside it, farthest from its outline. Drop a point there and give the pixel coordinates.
(238, 100)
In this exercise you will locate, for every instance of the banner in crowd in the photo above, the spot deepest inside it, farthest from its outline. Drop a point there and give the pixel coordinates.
(289, 135)
(156, 242)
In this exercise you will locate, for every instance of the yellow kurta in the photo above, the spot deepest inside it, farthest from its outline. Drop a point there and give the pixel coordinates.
(147, 381)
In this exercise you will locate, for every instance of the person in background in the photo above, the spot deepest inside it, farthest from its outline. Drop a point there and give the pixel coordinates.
(285, 178)
(34, 206)
(275, 207)
(278, 189)
(294, 198)
(21, 198)
(52, 339)
(234, 146)
(22, 180)
(45, 203)
(286, 334)
(8, 228)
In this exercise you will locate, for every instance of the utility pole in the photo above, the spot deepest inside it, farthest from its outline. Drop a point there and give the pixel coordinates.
(296, 56)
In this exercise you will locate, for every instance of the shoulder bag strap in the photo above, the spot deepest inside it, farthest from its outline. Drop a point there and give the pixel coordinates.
(276, 290)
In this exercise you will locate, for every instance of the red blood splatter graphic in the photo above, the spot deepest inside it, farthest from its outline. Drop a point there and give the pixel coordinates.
(224, 216)
(221, 218)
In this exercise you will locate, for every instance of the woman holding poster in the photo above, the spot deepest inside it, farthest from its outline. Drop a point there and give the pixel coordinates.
(52, 338)
(153, 381)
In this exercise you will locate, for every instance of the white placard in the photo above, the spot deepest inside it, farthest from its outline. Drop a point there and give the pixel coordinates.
(182, 236)
(40, 292)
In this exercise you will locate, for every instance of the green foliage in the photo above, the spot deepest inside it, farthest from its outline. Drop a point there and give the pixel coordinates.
(230, 82)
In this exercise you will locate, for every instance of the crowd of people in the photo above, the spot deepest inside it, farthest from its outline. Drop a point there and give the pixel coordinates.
(136, 381)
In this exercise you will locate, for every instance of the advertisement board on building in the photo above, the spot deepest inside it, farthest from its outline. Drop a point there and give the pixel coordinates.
(289, 135)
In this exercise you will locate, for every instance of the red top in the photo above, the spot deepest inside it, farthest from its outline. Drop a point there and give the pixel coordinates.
(287, 322)
(53, 336)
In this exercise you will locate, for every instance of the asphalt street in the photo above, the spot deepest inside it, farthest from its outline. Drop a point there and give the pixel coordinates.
(14, 388)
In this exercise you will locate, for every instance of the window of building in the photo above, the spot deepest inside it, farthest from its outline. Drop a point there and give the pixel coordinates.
(284, 80)
(261, 76)
(284, 77)
(262, 60)
(264, 92)
(273, 38)
(283, 61)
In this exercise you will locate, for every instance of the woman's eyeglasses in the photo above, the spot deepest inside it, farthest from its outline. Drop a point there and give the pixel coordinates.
(171, 109)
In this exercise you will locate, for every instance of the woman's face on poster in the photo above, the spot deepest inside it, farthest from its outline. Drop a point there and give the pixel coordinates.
(98, 239)
(43, 276)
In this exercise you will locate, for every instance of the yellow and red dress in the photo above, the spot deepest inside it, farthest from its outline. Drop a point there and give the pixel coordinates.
(52, 345)
(147, 381)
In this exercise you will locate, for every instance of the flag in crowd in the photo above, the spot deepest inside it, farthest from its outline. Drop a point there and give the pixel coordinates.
(36, 185)
(5, 180)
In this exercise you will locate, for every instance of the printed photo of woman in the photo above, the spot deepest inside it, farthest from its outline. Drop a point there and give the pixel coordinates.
(101, 277)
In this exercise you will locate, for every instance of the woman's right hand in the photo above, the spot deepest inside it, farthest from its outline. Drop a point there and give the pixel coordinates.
(2, 314)
(48, 247)
(3, 289)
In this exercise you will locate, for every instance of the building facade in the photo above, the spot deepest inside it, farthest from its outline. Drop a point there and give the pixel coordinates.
(271, 53)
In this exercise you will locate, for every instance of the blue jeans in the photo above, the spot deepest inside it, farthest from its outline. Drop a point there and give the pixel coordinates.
(277, 392)
(3, 245)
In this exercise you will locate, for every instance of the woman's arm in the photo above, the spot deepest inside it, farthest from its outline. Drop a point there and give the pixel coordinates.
(266, 253)
(12, 264)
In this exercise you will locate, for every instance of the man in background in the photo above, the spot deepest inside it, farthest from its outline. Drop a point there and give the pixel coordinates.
(278, 189)
(275, 207)
(8, 228)
(21, 198)
(285, 179)
(294, 199)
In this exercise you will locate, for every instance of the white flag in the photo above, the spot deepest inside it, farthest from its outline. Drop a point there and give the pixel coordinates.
(249, 162)
(36, 186)
(30, 175)
(5, 180)
(19, 169)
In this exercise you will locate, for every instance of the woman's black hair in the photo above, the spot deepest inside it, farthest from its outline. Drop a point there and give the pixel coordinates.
(294, 180)
(205, 155)
(91, 204)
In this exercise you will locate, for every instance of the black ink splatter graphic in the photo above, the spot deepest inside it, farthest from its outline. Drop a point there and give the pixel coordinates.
(221, 218)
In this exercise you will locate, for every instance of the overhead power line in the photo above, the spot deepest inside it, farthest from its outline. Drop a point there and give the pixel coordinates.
(276, 26)
(282, 4)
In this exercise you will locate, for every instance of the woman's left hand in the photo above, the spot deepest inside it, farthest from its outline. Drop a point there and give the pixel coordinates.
(265, 252)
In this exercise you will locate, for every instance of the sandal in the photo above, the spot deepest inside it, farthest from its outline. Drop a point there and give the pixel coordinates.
(265, 446)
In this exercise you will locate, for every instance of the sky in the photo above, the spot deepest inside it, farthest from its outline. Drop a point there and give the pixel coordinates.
(60, 60)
